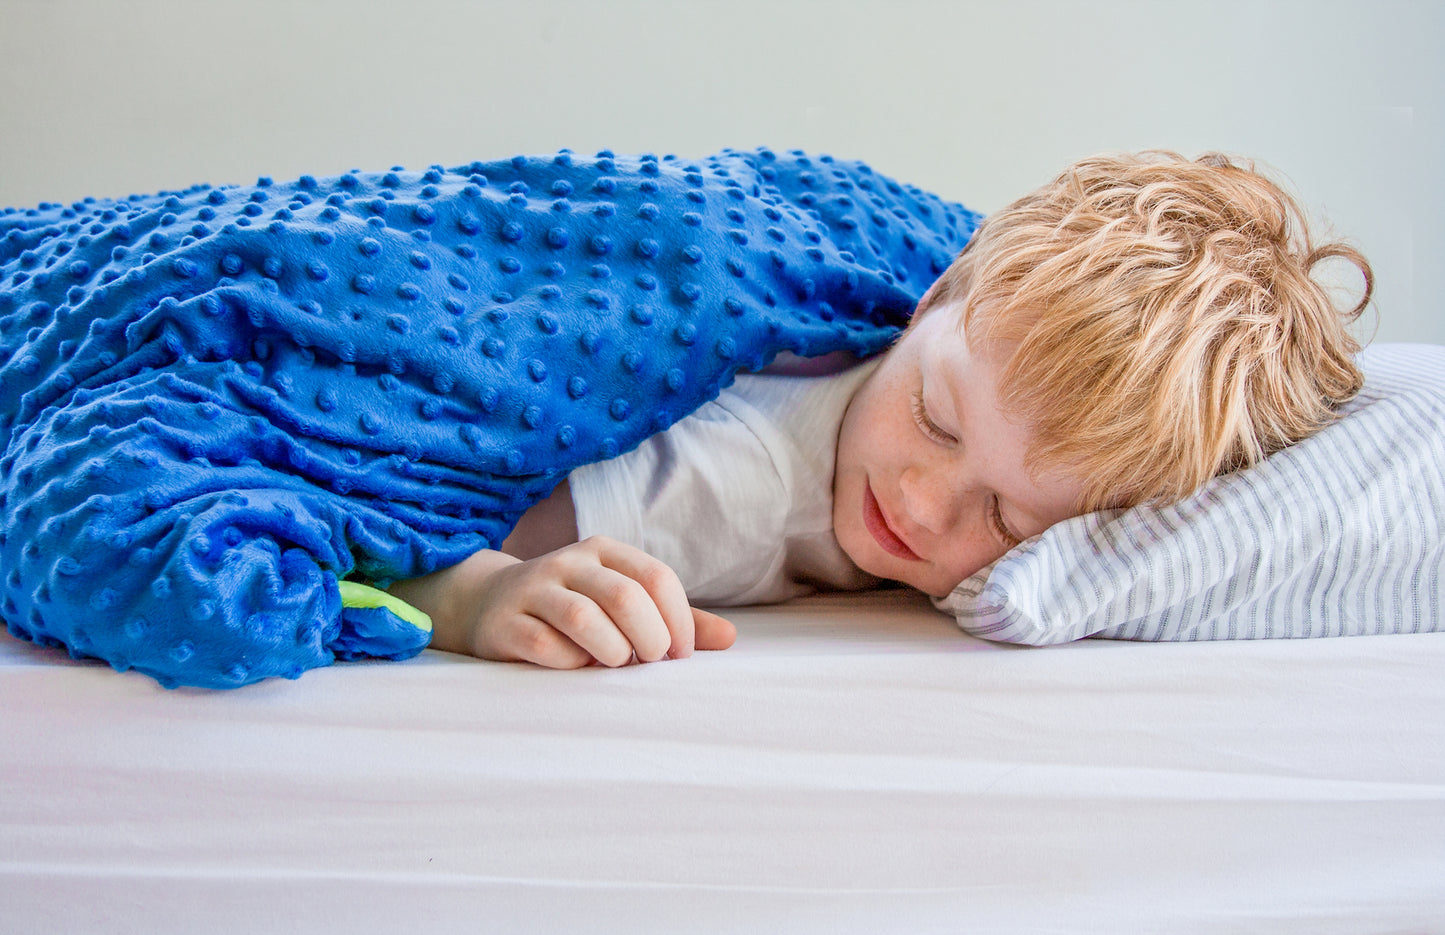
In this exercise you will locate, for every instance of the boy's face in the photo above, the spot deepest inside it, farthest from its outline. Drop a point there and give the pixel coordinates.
(930, 484)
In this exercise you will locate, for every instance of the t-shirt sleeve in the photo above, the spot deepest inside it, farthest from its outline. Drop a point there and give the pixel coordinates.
(704, 497)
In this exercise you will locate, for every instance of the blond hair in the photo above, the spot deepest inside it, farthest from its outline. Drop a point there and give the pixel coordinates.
(1163, 321)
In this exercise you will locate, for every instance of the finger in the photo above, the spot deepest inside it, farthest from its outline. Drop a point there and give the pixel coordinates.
(713, 632)
(628, 605)
(665, 591)
(529, 639)
(575, 612)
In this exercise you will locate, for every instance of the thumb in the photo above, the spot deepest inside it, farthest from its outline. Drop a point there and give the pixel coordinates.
(712, 631)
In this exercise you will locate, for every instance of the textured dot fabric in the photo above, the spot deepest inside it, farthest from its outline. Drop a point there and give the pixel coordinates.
(218, 403)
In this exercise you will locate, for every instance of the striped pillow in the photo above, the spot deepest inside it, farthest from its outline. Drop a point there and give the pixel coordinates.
(1341, 534)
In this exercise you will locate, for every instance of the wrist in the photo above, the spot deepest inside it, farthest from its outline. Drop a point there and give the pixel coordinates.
(452, 598)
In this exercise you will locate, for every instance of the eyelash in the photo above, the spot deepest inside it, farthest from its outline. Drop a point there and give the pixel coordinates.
(931, 429)
(995, 519)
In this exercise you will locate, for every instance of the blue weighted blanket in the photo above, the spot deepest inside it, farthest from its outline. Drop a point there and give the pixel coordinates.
(219, 403)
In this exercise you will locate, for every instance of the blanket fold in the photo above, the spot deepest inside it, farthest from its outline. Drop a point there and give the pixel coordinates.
(217, 403)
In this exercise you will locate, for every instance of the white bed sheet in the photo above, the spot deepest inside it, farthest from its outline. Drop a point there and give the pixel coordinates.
(855, 763)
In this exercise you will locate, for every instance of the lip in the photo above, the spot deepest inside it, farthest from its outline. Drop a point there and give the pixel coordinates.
(877, 525)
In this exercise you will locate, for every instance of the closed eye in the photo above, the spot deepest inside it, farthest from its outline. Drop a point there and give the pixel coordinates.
(926, 424)
(1000, 528)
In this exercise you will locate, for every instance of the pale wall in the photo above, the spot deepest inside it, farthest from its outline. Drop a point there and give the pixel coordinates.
(979, 101)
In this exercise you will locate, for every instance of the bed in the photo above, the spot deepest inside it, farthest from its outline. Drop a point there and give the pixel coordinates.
(854, 763)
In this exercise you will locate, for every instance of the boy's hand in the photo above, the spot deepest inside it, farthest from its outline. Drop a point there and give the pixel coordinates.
(597, 600)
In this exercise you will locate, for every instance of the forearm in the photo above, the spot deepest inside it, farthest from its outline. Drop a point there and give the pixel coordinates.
(548, 599)
(547, 525)
(598, 600)
(451, 598)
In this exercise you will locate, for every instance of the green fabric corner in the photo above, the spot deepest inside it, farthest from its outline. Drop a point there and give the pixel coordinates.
(355, 594)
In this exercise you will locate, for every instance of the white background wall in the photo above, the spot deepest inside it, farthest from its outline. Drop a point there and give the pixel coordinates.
(979, 101)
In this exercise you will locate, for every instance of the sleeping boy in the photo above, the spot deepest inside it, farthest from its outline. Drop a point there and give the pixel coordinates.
(1135, 327)
(227, 412)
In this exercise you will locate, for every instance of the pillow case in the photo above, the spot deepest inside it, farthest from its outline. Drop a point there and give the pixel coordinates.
(1340, 534)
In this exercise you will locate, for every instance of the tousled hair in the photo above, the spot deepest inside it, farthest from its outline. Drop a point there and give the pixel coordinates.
(1160, 321)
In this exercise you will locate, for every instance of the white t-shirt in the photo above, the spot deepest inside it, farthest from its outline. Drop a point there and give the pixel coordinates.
(738, 497)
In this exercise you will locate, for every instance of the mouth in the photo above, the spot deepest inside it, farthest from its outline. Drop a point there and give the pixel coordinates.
(882, 533)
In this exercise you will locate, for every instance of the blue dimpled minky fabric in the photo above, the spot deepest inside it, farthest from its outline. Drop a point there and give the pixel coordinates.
(218, 403)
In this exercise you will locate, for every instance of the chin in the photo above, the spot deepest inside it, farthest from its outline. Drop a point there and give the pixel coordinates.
(882, 565)
(935, 593)
(931, 588)
(863, 552)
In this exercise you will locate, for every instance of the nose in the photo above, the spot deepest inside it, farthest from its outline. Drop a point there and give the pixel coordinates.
(934, 498)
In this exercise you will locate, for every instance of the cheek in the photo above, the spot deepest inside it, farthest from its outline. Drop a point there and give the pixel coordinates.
(884, 420)
(858, 436)
(965, 552)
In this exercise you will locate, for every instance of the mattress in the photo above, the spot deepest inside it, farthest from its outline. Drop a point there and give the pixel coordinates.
(854, 763)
